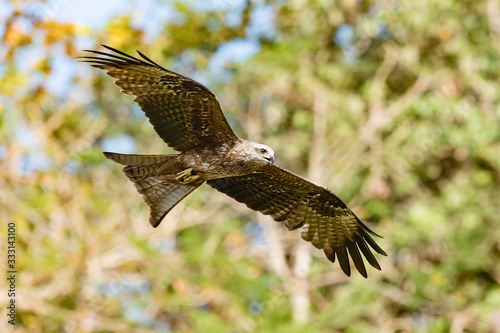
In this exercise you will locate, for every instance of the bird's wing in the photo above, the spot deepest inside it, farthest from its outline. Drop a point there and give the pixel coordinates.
(183, 112)
(325, 220)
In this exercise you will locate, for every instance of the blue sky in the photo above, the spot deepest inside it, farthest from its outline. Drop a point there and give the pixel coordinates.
(150, 16)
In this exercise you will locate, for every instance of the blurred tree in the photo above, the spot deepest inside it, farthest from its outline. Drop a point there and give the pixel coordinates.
(402, 98)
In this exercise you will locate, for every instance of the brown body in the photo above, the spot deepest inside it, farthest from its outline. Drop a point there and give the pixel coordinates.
(226, 161)
(188, 117)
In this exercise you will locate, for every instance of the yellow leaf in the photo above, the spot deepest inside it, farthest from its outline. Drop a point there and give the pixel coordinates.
(55, 32)
(43, 66)
(70, 49)
(14, 38)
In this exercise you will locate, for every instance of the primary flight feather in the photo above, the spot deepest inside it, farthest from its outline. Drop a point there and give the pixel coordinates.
(188, 117)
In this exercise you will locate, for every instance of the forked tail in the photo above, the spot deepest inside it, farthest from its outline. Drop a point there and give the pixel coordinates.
(160, 195)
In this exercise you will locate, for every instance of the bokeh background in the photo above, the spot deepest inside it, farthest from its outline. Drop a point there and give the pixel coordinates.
(393, 105)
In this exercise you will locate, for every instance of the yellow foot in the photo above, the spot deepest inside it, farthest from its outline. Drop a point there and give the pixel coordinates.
(186, 176)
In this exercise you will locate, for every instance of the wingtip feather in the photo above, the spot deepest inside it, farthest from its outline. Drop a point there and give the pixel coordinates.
(356, 258)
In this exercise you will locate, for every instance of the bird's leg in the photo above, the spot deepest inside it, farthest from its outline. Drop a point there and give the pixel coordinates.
(186, 176)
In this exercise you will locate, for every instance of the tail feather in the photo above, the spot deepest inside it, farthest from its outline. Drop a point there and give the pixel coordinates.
(138, 160)
(161, 195)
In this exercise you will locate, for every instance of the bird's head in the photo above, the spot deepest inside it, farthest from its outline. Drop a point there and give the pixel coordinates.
(263, 154)
(251, 154)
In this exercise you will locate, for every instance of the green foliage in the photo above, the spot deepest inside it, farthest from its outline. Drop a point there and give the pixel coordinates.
(392, 105)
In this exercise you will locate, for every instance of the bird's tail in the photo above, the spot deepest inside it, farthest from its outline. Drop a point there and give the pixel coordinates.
(161, 195)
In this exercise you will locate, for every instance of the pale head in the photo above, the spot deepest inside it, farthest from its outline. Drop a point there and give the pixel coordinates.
(253, 152)
(263, 154)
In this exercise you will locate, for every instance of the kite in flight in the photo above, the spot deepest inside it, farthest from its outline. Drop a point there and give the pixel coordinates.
(188, 117)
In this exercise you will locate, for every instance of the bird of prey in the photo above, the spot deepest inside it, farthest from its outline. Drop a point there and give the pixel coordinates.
(188, 117)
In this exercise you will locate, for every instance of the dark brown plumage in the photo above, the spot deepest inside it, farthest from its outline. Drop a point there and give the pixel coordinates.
(188, 117)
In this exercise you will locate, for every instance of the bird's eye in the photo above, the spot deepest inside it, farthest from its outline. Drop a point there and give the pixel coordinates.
(263, 151)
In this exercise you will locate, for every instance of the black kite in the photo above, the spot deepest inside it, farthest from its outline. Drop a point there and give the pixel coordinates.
(188, 117)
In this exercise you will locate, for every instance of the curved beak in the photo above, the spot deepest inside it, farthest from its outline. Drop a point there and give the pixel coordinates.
(269, 159)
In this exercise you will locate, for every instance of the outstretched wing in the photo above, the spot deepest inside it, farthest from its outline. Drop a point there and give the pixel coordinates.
(183, 112)
(325, 220)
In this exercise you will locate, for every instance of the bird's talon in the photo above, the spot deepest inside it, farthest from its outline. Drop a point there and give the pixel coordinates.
(186, 176)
